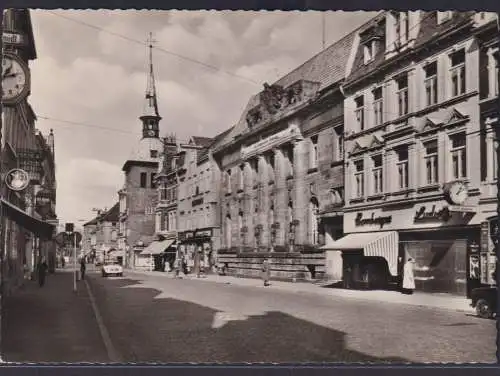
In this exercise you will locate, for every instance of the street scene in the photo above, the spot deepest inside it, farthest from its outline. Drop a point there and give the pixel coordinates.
(249, 187)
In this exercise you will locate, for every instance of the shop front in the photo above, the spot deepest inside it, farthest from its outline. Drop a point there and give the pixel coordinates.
(438, 236)
(196, 250)
(156, 252)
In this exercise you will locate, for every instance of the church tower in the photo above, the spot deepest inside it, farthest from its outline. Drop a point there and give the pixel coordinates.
(150, 117)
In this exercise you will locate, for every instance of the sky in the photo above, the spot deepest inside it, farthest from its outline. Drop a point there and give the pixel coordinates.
(89, 79)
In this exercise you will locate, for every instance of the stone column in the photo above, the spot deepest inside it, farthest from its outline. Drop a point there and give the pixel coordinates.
(264, 201)
(248, 212)
(281, 207)
(300, 165)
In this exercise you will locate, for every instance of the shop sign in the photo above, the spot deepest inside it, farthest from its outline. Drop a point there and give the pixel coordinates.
(423, 214)
(12, 38)
(380, 221)
(203, 233)
(268, 143)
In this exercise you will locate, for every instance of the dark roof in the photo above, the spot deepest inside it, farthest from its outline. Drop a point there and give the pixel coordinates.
(202, 141)
(112, 214)
(220, 137)
(91, 222)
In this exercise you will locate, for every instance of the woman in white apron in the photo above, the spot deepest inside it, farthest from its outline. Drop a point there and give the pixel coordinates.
(408, 276)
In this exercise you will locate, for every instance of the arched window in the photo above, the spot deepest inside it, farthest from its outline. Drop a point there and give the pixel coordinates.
(228, 227)
(313, 220)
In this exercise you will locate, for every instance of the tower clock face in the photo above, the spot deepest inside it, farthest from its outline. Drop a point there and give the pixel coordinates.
(14, 78)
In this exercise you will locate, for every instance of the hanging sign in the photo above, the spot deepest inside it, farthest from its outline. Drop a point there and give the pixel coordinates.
(17, 179)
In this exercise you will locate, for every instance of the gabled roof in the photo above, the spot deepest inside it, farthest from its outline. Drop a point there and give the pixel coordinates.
(202, 141)
(112, 214)
(91, 222)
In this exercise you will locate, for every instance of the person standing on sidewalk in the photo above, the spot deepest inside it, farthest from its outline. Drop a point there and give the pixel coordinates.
(408, 276)
(83, 267)
(266, 272)
(41, 269)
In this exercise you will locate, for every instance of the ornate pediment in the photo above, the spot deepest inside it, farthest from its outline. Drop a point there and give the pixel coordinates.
(276, 98)
(456, 115)
(430, 123)
(357, 147)
(376, 141)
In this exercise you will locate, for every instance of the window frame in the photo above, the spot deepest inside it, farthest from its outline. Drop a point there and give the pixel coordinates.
(431, 85)
(143, 180)
(402, 94)
(378, 106)
(459, 71)
(359, 112)
(377, 174)
(359, 179)
(433, 158)
(403, 167)
(458, 171)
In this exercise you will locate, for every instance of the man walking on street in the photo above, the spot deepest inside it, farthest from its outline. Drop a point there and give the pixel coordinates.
(82, 268)
(41, 269)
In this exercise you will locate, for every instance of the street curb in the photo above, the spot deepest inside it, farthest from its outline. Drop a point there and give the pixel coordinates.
(324, 292)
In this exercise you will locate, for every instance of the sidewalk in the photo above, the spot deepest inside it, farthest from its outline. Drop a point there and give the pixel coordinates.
(437, 300)
(51, 324)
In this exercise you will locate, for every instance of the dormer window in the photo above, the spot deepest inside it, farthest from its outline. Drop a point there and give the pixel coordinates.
(401, 29)
(442, 17)
(370, 49)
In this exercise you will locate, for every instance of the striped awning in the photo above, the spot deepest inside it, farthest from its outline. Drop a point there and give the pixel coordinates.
(382, 244)
(156, 247)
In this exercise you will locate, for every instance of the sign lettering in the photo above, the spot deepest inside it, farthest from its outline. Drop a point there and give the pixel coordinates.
(203, 233)
(422, 215)
(12, 38)
(380, 221)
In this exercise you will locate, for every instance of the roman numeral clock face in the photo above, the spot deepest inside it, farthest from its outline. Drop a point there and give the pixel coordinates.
(14, 79)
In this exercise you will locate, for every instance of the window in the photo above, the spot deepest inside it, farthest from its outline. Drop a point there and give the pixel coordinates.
(359, 179)
(144, 177)
(459, 155)
(401, 29)
(228, 181)
(402, 166)
(402, 92)
(370, 50)
(494, 76)
(442, 17)
(457, 73)
(163, 192)
(359, 112)
(377, 174)
(313, 158)
(313, 221)
(153, 180)
(378, 106)
(431, 162)
(494, 159)
(339, 146)
(241, 182)
(197, 191)
(153, 153)
(431, 87)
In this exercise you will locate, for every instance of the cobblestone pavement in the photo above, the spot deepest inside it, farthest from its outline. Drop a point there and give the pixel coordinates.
(153, 318)
(51, 324)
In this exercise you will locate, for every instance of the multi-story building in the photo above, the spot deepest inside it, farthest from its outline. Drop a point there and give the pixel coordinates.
(28, 210)
(198, 209)
(283, 177)
(413, 178)
(105, 235)
(138, 197)
(89, 240)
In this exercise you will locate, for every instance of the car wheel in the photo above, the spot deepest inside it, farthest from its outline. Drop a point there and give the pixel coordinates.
(483, 309)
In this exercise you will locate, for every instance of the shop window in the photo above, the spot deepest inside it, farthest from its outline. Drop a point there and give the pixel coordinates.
(359, 179)
(377, 174)
(378, 105)
(457, 72)
(458, 155)
(431, 162)
(402, 166)
(402, 94)
(431, 84)
(144, 177)
(360, 112)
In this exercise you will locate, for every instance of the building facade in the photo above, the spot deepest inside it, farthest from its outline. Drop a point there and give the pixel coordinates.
(283, 172)
(28, 213)
(413, 180)
(138, 197)
(198, 209)
(100, 236)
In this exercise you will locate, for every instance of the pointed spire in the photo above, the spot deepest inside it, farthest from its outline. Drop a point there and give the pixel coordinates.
(151, 100)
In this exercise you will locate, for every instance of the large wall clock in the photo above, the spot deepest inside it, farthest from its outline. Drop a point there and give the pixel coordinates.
(15, 79)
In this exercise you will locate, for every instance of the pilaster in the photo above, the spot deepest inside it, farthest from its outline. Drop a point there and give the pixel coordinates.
(281, 207)
(300, 165)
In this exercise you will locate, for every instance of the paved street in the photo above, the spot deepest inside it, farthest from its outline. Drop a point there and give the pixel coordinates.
(153, 318)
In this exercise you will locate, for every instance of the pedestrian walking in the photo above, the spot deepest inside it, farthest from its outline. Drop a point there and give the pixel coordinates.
(408, 276)
(83, 267)
(41, 269)
(266, 272)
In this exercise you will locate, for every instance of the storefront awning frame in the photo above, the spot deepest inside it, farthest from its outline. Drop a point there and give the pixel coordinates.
(157, 247)
(373, 244)
(34, 225)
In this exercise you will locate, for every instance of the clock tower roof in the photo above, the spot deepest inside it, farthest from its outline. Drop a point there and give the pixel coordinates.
(150, 115)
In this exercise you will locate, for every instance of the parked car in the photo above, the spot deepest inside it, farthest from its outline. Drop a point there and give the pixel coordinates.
(484, 300)
(112, 268)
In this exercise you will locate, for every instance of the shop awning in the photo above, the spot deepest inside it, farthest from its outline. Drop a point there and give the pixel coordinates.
(36, 226)
(157, 247)
(382, 244)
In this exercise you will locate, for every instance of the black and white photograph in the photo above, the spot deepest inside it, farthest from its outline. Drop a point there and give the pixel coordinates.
(221, 187)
